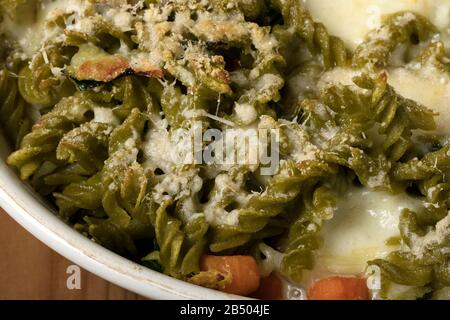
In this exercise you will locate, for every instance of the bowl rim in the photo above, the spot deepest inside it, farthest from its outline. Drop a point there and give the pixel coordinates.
(26, 208)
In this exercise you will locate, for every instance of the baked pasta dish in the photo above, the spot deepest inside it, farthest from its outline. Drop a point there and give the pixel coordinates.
(138, 122)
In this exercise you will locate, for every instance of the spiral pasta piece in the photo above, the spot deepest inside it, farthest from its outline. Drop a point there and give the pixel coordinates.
(398, 28)
(331, 49)
(101, 33)
(254, 216)
(397, 117)
(425, 264)
(118, 190)
(85, 145)
(180, 247)
(40, 144)
(39, 83)
(303, 234)
(12, 109)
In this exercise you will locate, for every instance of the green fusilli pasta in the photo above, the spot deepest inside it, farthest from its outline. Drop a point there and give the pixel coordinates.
(40, 144)
(331, 49)
(104, 101)
(400, 28)
(12, 109)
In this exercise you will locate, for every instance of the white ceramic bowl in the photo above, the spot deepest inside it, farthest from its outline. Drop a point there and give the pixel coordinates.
(25, 206)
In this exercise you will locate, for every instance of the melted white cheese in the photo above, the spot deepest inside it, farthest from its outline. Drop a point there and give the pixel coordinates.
(301, 149)
(338, 76)
(214, 213)
(420, 245)
(105, 115)
(351, 20)
(364, 220)
(426, 85)
(30, 27)
(168, 150)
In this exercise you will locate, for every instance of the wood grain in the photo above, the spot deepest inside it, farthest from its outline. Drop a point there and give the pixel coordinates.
(31, 270)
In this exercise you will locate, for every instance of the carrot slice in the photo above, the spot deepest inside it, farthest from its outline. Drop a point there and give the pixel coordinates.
(271, 288)
(339, 288)
(245, 277)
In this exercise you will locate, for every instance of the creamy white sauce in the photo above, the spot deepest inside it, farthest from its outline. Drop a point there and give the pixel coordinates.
(364, 220)
(30, 27)
(426, 85)
(351, 20)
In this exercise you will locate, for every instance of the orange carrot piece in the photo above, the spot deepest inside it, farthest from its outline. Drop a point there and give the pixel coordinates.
(243, 269)
(339, 288)
(271, 288)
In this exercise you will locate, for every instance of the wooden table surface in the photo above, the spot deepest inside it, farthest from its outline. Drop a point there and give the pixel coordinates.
(31, 270)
